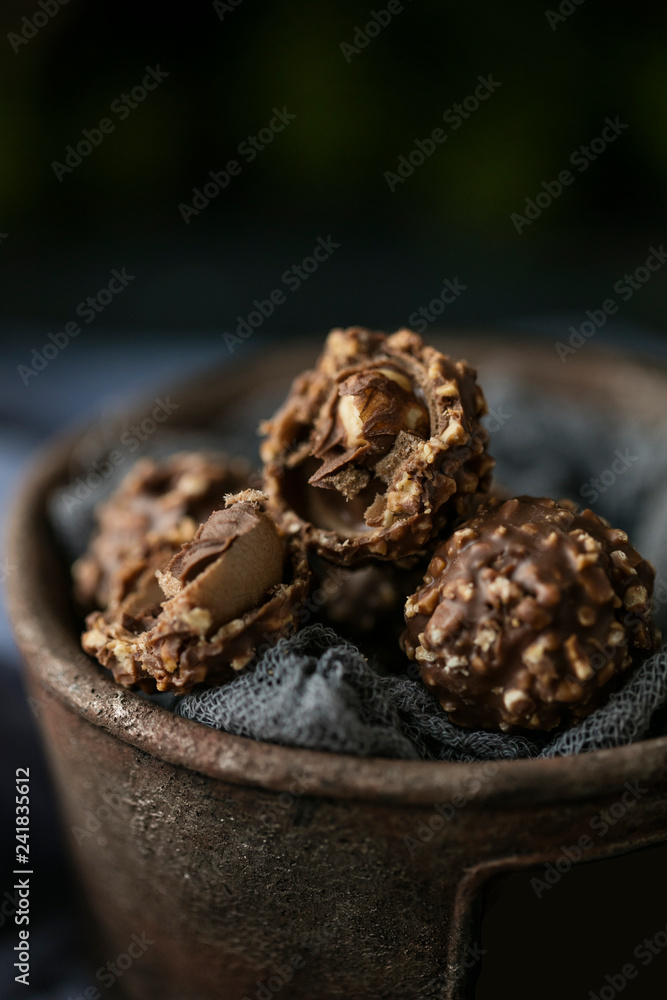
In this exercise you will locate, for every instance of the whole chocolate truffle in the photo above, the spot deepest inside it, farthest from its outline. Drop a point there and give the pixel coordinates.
(528, 615)
(377, 448)
(231, 590)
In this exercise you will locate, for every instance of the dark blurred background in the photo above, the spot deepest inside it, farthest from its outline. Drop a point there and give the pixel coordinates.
(561, 76)
(220, 74)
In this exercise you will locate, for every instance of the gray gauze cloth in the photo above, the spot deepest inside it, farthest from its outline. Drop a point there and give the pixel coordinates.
(316, 690)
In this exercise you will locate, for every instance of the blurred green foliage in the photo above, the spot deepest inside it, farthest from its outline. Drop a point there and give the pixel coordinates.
(354, 118)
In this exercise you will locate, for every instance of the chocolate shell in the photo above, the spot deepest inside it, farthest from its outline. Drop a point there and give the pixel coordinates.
(378, 448)
(230, 592)
(157, 507)
(529, 615)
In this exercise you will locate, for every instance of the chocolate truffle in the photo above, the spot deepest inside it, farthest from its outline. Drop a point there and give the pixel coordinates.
(232, 590)
(157, 507)
(365, 603)
(377, 448)
(529, 614)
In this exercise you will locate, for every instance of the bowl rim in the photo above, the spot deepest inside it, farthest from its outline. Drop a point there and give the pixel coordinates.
(61, 670)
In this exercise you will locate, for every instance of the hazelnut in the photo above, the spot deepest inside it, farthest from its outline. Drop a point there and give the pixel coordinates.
(232, 561)
(377, 448)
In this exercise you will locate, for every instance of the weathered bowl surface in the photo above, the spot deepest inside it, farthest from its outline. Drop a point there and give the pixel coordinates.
(252, 868)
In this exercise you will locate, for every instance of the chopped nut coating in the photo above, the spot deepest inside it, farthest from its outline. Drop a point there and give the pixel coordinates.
(234, 587)
(527, 615)
(377, 448)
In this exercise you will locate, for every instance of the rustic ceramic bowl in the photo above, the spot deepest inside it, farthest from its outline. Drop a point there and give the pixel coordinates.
(256, 869)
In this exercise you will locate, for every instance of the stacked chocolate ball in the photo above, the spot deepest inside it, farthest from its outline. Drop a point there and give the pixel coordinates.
(520, 613)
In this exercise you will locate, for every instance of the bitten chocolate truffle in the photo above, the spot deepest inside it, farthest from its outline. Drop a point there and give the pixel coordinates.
(156, 508)
(529, 614)
(376, 449)
(234, 588)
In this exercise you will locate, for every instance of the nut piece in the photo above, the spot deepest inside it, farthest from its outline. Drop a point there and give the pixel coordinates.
(233, 560)
(527, 615)
(156, 508)
(377, 448)
(235, 586)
